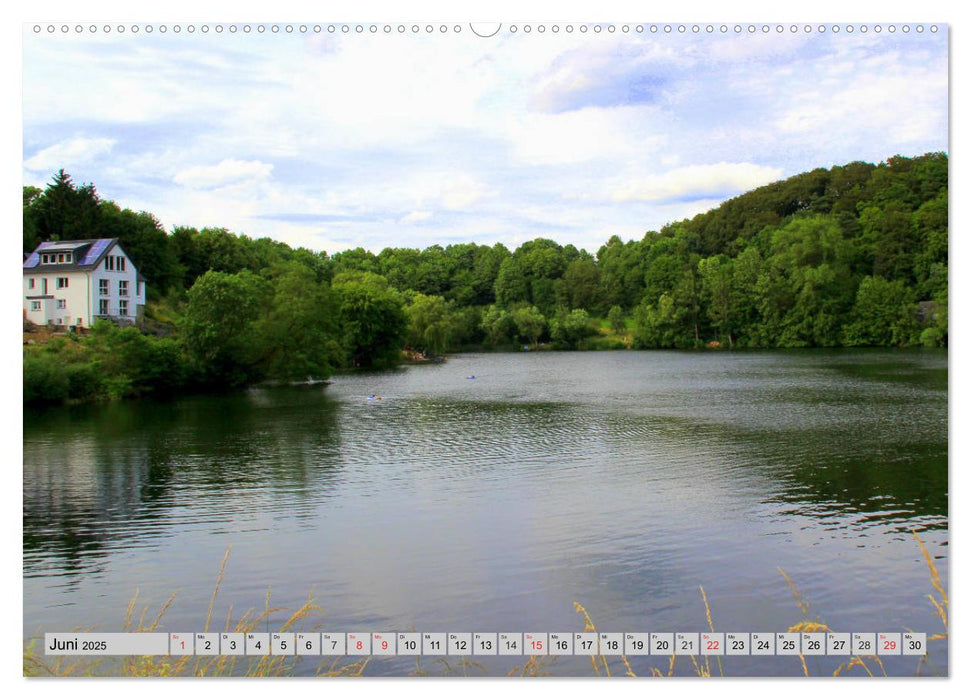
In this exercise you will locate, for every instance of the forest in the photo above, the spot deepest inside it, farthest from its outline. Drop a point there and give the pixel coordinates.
(854, 255)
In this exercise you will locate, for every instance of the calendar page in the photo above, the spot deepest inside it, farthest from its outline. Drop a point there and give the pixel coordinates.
(421, 348)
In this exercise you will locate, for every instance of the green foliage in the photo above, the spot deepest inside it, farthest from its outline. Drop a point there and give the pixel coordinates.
(884, 314)
(511, 285)
(720, 295)
(616, 320)
(432, 325)
(220, 328)
(661, 325)
(932, 337)
(143, 238)
(111, 362)
(296, 335)
(497, 325)
(84, 380)
(373, 324)
(530, 323)
(45, 378)
(581, 281)
(570, 329)
(63, 211)
(856, 255)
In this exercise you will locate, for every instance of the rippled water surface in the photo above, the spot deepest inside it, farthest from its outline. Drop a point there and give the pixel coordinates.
(620, 480)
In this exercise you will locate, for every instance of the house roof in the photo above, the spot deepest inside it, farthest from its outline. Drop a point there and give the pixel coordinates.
(87, 254)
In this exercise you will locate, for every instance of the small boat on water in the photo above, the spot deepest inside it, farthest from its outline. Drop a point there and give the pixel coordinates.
(310, 381)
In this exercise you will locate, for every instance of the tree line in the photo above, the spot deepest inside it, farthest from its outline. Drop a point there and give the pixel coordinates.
(853, 255)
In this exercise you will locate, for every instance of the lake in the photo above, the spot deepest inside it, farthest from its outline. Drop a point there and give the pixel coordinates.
(621, 480)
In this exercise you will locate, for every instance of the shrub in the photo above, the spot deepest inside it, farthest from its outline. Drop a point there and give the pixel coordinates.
(45, 379)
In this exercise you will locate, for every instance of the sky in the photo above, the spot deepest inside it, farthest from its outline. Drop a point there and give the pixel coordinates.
(338, 140)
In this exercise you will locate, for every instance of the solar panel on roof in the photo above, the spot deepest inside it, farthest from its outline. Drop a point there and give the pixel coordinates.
(95, 250)
(32, 261)
(63, 246)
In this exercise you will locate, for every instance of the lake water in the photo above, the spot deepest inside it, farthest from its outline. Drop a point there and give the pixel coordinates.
(623, 480)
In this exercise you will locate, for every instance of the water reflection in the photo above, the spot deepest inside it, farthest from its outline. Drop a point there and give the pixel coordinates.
(622, 480)
(100, 478)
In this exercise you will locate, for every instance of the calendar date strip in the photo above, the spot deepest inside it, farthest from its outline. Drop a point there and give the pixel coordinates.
(486, 644)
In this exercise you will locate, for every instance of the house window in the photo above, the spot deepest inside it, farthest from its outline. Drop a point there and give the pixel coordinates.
(45, 258)
(30, 283)
(103, 288)
(121, 263)
(60, 257)
(123, 288)
(60, 321)
(110, 262)
(62, 282)
(35, 306)
(103, 307)
(123, 307)
(62, 303)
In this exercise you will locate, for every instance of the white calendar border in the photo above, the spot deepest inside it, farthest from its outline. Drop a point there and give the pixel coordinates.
(565, 10)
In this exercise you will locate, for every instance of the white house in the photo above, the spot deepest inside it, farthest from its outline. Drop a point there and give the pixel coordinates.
(72, 283)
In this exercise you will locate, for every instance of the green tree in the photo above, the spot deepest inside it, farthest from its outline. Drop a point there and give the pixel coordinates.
(297, 335)
(372, 321)
(570, 329)
(717, 282)
(431, 324)
(220, 326)
(511, 286)
(65, 211)
(31, 237)
(930, 224)
(616, 320)
(884, 314)
(145, 241)
(664, 324)
(582, 281)
(888, 239)
(809, 288)
(498, 325)
(530, 323)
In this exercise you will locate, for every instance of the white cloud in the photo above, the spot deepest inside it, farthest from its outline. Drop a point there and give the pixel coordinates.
(584, 135)
(68, 154)
(414, 217)
(905, 106)
(356, 139)
(618, 72)
(697, 182)
(462, 192)
(227, 172)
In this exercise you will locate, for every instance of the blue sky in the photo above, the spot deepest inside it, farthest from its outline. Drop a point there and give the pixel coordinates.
(333, 141)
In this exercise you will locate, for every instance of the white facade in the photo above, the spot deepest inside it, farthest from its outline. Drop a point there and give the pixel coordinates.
(66, 284)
